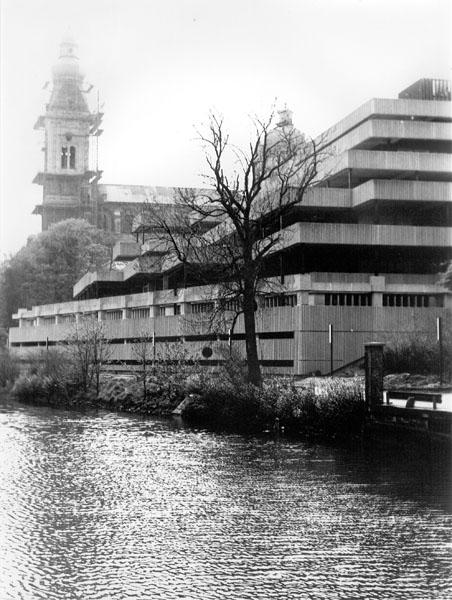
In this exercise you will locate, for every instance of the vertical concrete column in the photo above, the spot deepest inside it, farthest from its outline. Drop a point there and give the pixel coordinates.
(302, 298)
(185, 308)
(125, 313)
(57, 319)
(100, 315)
(77, 317)
(448, 301)
(374, 374)
(377, 299)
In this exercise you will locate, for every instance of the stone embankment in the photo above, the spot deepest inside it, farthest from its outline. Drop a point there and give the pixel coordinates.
(127, 394)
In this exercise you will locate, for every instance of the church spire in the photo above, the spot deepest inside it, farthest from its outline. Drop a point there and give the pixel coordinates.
(68, 79)
(68, 125)
(68, 46)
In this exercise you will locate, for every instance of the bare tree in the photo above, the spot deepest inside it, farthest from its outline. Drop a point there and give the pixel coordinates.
(89, 350)
(143, 349)
(225, 234)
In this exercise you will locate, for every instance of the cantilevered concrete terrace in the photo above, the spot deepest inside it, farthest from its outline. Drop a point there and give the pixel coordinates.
(422, 135)
(365, 234)
(355, 166)
(383, 108)
(398, 190)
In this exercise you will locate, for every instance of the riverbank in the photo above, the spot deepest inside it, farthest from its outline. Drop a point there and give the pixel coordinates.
(324, 408)
(334, 412)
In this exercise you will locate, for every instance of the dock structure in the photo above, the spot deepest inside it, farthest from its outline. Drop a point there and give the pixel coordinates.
(423, 412)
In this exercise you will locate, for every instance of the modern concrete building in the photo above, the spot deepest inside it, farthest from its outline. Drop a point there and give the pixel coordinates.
(359, 261)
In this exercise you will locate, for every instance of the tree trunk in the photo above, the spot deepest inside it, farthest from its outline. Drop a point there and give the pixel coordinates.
(254, 371)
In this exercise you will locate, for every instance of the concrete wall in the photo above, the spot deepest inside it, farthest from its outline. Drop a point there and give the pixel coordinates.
(292, 341)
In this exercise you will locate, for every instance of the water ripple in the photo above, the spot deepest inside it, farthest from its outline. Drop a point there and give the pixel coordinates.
(101, 506)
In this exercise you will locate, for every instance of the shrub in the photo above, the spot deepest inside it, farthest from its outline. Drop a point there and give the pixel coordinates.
(225, 402)
(32, 388)
(340, 408)
(50, 379)
(416, 355)
(9, 368)
(337, 413)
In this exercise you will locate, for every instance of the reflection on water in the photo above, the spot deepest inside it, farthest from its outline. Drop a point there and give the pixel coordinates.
(106, 506)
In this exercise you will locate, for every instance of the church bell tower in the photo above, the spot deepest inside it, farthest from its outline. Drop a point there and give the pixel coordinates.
(69, 185)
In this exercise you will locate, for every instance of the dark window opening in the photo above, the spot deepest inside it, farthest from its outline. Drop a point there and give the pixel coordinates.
(72, 157)
(64, 157)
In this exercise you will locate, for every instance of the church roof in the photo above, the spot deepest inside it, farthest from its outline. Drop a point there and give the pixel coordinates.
(138, 193)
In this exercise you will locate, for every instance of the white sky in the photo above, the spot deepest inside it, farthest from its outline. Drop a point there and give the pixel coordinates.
(160, 66)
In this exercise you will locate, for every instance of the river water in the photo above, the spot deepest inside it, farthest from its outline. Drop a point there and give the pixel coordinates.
(107, 506)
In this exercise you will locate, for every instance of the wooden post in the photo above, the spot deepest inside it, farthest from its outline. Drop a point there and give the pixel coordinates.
(374, 374)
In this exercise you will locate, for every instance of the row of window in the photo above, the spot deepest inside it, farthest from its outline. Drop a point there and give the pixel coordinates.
(202, 307)
(140, 313)
(413, 300)
(66, 319)
(348, 299)
(113, 315)
(276, 301)
(402, 300)
(280, 300)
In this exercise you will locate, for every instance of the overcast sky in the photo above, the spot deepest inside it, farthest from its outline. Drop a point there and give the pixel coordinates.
(160, 66)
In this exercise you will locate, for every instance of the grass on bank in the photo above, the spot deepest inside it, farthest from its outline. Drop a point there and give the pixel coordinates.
(418, 355)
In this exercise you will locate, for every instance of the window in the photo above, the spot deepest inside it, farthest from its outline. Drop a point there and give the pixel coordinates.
(139, 313)
(177, 309)
(64, 157)
(66, 319)
(202, 307)
(117, 221)
(280, 300)
(72, 157)
(162, 311)
(113, 315)
(48, 320)
(233, 305)
(89, 316)
(344, 299)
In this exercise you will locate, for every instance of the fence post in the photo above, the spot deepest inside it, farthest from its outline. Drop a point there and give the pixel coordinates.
(439, 339)
(330, 341)
(374, 374)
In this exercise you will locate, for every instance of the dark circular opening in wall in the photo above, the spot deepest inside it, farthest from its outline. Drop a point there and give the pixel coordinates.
(207, 352)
